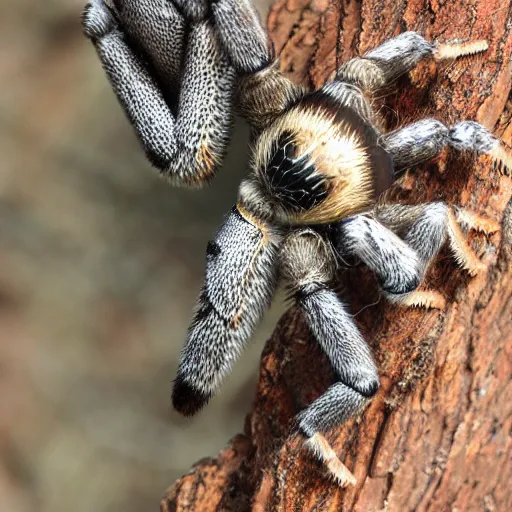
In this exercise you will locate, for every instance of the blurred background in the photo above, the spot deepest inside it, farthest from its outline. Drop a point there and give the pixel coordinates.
(100, 265)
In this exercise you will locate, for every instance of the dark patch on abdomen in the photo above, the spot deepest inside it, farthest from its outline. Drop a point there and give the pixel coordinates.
(294, 182)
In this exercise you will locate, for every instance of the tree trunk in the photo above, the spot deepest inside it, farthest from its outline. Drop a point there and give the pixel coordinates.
(436, 437)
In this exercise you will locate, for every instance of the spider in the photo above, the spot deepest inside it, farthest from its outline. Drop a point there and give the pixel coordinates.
(180, 68)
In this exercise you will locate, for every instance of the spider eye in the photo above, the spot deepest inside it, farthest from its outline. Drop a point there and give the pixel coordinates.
(213, 249)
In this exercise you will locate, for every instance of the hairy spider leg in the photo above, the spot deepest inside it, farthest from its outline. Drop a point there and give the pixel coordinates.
(425, 228)
(307, 265)
(240, 280)
(321, 448)
(423, 140)
(193, 10)
(186, 147)
(263, 92)
(264, 96)
(386, 63)
(397, 266)
(159, 33)
(351, 96)
(242, 34)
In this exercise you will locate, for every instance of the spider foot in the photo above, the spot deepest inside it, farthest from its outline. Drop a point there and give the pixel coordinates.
(471, 220)
(502, 158)
(471, 136)
(464, 255)
(98, 19)
(427, 299)
(323, 451)
(449, 51)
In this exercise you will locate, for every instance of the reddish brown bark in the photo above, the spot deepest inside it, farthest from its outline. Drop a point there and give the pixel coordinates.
(437, 435)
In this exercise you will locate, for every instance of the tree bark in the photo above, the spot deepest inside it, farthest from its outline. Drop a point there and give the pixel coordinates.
(436, 437)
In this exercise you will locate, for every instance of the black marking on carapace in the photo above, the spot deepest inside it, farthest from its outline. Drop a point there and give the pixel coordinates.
(293, 181)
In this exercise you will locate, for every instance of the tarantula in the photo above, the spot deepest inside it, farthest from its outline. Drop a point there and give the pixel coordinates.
(180, 68)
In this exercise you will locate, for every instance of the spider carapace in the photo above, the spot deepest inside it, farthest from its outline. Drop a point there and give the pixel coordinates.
(319, 162)
(180, 69)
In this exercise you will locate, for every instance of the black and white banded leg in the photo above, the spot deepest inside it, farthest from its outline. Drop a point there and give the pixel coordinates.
(307, 264)
(397, 266)
(143, 46)
(242, 34)
(425, 229)
(193, 10)
(238, 26)
(241, 276)
(263, 92)
(383, 65)
(424, 140)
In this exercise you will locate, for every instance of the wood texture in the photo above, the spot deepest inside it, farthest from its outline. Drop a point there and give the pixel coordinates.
(437, 436)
